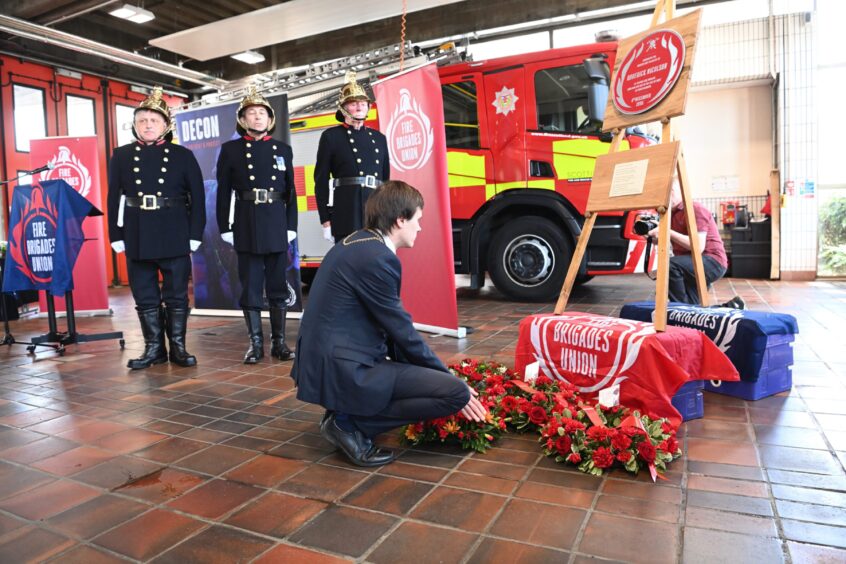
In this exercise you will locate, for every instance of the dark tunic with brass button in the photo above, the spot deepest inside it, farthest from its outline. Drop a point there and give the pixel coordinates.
(346, 152)
(169, 172)
(265, 164)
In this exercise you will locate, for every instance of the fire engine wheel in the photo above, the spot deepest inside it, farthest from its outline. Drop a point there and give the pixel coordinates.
(529, 258)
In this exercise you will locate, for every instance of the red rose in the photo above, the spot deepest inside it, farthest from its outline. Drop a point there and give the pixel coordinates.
(620, 441)
(574, 458)
(598, 434)
(537, 415)
(543, 381)
(563, 444)
(646, 450)
(508, 403)
(624, 456)
(672, 445)
(524, 405)
(571, 425)
(602, 457)
(476, 377)
(539, 397)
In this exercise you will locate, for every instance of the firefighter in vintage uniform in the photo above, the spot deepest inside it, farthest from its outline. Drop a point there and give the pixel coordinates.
(157, 214)
(257, 214)
(352, 161)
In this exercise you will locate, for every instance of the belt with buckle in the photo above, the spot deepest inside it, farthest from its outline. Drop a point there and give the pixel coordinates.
(368, 181)
(259, 196)
(150, 202)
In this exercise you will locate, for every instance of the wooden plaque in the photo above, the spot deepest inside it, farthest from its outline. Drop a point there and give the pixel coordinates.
(673, 103)
(635, 179)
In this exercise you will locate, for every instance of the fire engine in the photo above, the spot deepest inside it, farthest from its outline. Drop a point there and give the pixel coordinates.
(522, 134)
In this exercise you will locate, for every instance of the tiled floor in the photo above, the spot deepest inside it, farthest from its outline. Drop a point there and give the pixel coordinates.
(220, 463)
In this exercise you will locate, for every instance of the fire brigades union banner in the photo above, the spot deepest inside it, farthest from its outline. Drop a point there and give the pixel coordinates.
(45, 234)
(411, 115)
(76, 161)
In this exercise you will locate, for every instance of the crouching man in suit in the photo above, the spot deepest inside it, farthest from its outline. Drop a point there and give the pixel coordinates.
(354, 320)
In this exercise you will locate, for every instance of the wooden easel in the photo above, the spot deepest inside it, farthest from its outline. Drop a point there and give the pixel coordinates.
(659, 176)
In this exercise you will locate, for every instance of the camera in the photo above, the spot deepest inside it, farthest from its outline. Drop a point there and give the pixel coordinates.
(645, 223)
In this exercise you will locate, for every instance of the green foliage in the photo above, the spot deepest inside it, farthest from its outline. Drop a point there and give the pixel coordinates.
(833, 235)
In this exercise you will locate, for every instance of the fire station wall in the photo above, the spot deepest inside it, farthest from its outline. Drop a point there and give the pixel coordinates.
(728, 140)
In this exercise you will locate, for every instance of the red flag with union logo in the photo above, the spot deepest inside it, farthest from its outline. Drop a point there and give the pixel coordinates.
(411, 115)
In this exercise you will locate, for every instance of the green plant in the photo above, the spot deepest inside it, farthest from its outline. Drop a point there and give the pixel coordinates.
(833, 234)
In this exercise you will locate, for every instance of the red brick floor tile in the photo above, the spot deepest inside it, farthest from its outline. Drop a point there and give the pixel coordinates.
(413, 472)
(726, 470)
(95, 516)
(823, 514)
(498, 550)
(116, 472)
(814, 533)
(730, 503)
(811, 554)
(555, 494)
(800, 460)
(724, 452)
(493, 469)
(92, 430)
(510, 456)
(61, 424)
(216, 544)
(10, 438)
(161, 485)
(266, 471)
(171, 449)
(215, 498)
(702, 545)
(783, 418)
(418, 543)
(326, 483)
(704, 518)
(81, 554)
(276, 514)
(216, 459)
(386, 494)
(809, 495)
(718, 429)
(206, 435)
(9, 523)
(129, 441)
(470, 511)
(434, 459)
(31, 417)
(650, 491)
(567, 479)
(301, 452)
(48, 500)
(727, 486)
(481, 483)
(32, 545)
(539, 524)
(73, 461)
(150, 534)
(344, 530)
(30, 452)
(639, 508)
(618, 538)
(15, 479)
(284, 554)
(790, 436)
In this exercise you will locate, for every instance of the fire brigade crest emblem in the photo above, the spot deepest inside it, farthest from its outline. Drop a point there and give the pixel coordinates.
(410, 134)
(67, 166)
(505, 101)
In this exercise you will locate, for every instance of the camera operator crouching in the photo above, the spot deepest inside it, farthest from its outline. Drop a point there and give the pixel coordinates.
(682, 280)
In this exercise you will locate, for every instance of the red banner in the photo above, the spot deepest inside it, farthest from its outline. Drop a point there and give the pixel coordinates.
(76, 161)
(594, 352)
(411, 115)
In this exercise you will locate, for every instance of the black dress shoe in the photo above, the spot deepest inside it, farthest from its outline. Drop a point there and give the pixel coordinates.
(326, 415)
(360, 450)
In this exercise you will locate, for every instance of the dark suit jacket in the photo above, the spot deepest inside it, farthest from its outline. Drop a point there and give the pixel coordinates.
(258, 228)
(353, 312)
(163, 233)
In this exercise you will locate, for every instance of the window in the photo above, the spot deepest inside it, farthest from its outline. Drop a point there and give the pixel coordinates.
(123, 122)
(80, 112)
(562, 100)
(30, 116)
(460, 115)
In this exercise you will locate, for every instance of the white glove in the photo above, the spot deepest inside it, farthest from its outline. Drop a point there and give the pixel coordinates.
(327, 234)
(229, 237)
(291, 235)
(118, 247)
(195, 245)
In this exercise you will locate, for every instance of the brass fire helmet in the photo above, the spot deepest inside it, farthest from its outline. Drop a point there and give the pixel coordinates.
(351, 90)
(253, 98)
(155, 103)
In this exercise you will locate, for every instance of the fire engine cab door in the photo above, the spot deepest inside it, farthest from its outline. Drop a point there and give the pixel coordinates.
(505, 104)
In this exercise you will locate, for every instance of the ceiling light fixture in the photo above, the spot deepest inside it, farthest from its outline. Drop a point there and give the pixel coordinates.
(249, 57)
(135, 14)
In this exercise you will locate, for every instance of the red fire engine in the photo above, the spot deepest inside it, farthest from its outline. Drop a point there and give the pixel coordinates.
(518, 190)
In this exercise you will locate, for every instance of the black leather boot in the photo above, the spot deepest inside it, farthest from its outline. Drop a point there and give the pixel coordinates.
(278, 348)
(177, 321)
(256, 350)
(154, 344)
